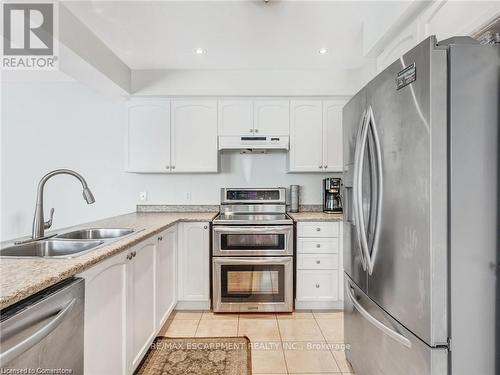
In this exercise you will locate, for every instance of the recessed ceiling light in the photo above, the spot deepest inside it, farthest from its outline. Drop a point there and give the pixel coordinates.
(199, 51)
(323, 51)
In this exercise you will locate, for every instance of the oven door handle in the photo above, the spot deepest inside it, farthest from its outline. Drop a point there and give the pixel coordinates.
(252, 260)
(253, 229)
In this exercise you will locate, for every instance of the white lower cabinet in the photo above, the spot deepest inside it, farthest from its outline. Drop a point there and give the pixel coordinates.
(317, 261)
(319, 265)
(105, 343)
(194, 266)
(128, 298)
(317, 285)
(141, 300)
(166, 275)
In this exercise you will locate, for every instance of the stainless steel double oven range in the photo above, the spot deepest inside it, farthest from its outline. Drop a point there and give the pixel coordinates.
(252, 252)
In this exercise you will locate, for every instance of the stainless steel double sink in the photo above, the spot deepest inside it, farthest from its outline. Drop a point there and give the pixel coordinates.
(67, 245)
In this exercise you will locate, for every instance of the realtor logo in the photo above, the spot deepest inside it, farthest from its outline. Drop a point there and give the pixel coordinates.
(28, 31)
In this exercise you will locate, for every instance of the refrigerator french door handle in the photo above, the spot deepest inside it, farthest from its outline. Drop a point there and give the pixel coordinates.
(372, 255)
(355, 188)
(388, 331)
(358, 194)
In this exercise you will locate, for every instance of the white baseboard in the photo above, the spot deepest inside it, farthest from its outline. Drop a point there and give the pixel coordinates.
(299, 305)
(319, 305)
(192, 305)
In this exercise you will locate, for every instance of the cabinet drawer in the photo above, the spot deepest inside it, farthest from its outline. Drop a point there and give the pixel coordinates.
(318, 229)
(317, 245)
(317, 261)
(317, 285)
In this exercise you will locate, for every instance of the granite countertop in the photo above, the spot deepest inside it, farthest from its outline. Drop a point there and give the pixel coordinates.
(315, 216)
(21, 278)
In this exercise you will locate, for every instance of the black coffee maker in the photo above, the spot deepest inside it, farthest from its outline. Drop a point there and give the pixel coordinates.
(332, 199)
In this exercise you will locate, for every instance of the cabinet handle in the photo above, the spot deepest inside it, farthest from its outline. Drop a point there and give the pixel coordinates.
(318, 229)
(317, 285)
(167, 167)
(256, 130)
(251, 130)
(320, 167)
(160, 238)
(129, 256)
(173, 166)
(318, 245)
(326, 166)
(318, 261)
(205, 227)
(133, 254)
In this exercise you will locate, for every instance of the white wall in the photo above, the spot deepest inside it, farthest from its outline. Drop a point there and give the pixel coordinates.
(80, 40)
(444, 19)
(280, 82)
(48, 125)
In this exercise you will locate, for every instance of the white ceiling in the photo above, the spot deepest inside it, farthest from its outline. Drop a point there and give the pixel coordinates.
(235, 34)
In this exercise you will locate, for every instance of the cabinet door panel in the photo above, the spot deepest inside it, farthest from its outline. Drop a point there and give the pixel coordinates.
(317, 229)
(272, 117)
(332, 135)
(317, 262)
(306, 151)
(317, 285)
(235, 117)
(194, 267)
(148, 137)
(142, 325)
(105, 343)
(341, 262)
(404, 41)
(194, 136)
(317, 245)
(165, 276)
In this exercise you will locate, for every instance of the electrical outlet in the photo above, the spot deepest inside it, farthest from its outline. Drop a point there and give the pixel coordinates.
(188, 196)
(143, 196)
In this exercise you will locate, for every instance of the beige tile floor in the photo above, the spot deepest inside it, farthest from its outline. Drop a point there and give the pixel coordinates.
(303, 342)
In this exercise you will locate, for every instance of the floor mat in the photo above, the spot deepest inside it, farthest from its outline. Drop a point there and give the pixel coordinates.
(203, 356)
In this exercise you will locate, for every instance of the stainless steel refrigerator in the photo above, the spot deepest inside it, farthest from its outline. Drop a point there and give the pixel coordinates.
(421, 216)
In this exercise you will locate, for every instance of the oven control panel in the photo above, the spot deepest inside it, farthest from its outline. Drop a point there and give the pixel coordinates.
(274, 195)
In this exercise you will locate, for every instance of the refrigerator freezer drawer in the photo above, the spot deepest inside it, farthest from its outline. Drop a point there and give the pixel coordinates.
(377, 344)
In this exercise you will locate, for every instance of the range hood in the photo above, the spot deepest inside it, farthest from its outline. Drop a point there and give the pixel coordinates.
(260, 142)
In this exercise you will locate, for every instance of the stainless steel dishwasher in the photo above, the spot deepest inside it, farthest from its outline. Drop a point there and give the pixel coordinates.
(44, 334)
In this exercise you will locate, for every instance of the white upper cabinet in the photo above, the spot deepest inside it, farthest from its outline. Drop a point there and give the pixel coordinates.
(166, 137)
(194, 136)
(271, 117)
(181, 136)
(266, 117)
(398, 46)
(148, 136)
(332, 135)
(315, 136)
(306, 136)
(235, 117)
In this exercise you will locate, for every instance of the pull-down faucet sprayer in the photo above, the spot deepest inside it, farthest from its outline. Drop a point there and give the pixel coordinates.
(39, 223)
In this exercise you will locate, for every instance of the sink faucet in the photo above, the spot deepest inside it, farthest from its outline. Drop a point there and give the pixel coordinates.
(39, 223)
